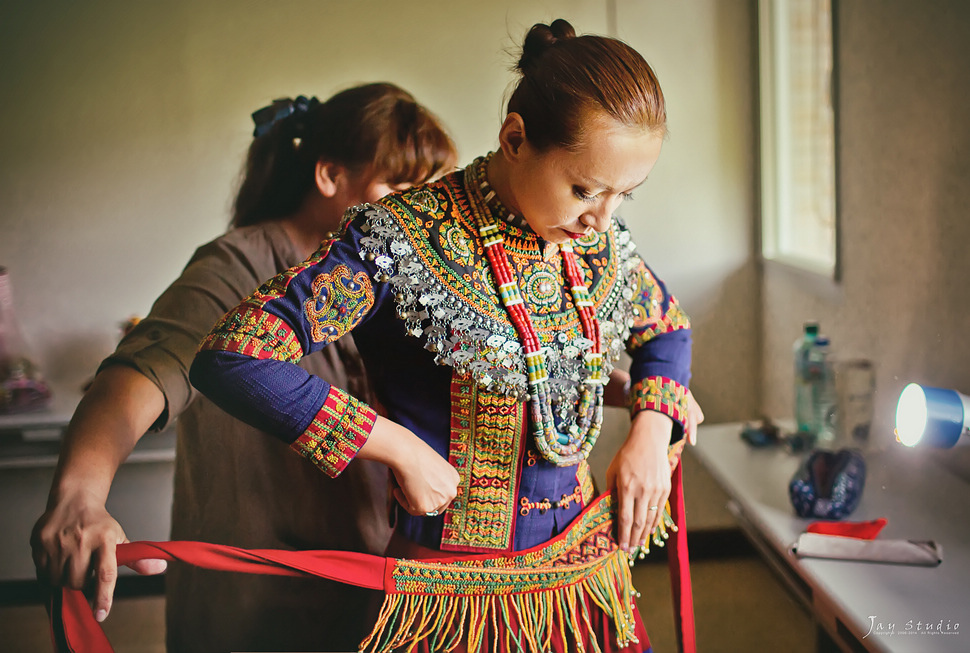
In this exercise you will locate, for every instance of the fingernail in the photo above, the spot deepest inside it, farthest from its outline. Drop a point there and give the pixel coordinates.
(100, 615)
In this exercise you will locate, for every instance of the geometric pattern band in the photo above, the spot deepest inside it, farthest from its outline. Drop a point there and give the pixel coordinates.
(486, 449)
(662, 395)
(337, 432)
(255, 333)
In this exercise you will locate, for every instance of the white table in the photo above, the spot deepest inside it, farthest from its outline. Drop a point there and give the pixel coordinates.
(922, 499)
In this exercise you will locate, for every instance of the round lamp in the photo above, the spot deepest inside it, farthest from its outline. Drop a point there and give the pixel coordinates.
(934, 417)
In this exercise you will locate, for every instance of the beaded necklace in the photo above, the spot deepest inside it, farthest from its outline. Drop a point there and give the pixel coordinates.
(561, 449)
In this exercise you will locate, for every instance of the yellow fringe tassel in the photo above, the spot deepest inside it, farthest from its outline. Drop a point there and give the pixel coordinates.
(405, 620)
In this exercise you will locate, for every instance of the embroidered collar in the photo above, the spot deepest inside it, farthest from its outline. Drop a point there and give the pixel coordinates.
(491, 200)
(424, 243)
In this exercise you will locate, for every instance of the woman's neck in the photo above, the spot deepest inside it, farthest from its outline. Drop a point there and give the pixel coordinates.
(499, 178)
(314, 222)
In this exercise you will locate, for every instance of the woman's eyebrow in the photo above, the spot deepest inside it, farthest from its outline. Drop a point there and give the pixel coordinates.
(609, 189)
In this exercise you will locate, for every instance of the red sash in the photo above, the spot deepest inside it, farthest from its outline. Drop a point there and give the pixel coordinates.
(450, 593)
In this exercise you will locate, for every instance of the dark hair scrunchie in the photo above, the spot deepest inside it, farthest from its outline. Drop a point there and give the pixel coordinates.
(282, 109)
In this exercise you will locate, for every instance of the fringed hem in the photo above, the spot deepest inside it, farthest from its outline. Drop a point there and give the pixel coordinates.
(531, 621)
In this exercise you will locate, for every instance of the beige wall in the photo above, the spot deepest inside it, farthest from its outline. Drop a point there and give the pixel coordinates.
(694, 218)
(124, 125)
(905, 208)
(695, 225)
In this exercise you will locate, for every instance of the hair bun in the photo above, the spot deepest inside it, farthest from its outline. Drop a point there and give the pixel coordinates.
(542, 37)
(562, 30)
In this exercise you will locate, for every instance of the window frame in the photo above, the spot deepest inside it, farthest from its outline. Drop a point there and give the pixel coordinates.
(778, 217)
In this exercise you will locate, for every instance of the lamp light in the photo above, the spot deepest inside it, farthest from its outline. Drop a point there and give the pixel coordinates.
(934, 417)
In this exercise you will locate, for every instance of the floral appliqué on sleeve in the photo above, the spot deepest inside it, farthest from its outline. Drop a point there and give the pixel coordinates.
(340, 300)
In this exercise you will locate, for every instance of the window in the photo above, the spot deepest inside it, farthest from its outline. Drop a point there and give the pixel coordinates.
(798, 194)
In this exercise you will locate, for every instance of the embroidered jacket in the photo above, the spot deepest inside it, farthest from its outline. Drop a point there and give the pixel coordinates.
(410, 279)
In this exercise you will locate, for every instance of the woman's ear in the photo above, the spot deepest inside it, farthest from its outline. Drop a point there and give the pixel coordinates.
(329, 176)
(511, 136)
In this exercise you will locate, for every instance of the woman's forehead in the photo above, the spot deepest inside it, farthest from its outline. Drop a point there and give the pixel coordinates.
(612, 157)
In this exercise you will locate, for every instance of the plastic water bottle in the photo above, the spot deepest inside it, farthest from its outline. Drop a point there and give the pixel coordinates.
(804, 382)
(823, 393)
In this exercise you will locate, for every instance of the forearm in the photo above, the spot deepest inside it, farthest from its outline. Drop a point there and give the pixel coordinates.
(120, 406)
(393, 445)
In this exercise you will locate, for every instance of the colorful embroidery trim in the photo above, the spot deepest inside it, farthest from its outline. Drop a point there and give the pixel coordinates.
(253, 332)
(249, 330)
(339, 302)
(448, 601)
(337, 432)
(449, 299)
(662, 395)
(567, 500)
(585, 480)
(674, 319)
(652, 315)
(587, 541)
(486, 440)
(276, 287)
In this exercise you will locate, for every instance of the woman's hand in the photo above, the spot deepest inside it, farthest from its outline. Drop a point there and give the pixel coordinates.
(427, 488)
(75, 540)
(694, 417)
(426, 483)
(640, 477)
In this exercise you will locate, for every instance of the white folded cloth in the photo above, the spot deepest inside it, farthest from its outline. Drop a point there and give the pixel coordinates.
(900, 552)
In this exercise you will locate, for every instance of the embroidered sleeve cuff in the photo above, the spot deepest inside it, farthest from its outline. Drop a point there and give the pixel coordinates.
(662, 395)
(337, 432)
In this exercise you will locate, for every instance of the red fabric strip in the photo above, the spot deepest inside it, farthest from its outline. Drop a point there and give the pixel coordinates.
(680, 568)
(74, 629)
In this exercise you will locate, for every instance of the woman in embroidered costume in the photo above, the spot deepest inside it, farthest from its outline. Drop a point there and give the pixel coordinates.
(489, 308)
(308, 162)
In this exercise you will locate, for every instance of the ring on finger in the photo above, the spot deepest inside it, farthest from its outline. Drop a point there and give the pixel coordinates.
(653, 508)
(433, 513)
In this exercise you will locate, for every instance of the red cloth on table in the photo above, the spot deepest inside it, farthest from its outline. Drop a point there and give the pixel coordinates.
(862, 530)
